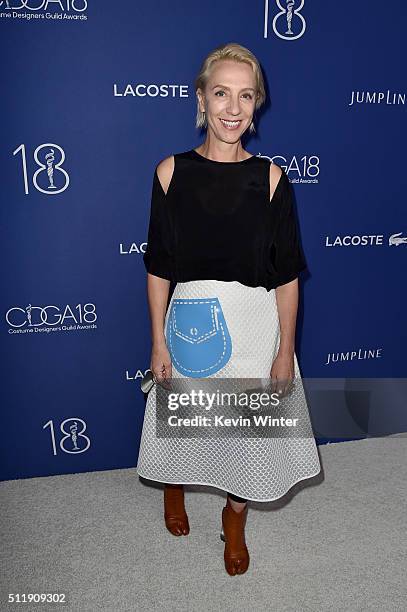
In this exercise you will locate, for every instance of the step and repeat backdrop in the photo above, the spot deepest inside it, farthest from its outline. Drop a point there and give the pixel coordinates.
(94, 95)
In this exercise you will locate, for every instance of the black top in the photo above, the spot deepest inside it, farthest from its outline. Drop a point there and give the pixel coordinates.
(217, 222)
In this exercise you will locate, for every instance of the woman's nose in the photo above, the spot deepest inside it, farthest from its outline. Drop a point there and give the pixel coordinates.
(234, 105)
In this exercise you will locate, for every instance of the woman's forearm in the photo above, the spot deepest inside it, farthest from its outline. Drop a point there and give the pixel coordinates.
(157, 292)
(287, 305)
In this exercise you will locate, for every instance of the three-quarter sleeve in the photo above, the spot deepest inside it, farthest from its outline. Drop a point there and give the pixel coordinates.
(286, 254)
(157, 257)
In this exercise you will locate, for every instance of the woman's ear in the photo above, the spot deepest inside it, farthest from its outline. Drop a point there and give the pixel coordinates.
(201, 101)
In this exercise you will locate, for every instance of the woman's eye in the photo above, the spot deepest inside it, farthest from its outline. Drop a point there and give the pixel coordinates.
(248, 95)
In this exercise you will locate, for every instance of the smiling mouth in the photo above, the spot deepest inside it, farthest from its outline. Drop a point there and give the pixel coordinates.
(230, 125)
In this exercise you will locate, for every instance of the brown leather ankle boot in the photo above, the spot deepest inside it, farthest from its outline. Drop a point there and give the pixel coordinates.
(236, 555)
(176, 519)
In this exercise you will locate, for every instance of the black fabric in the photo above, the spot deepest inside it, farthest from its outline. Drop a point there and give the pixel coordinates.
(217, 222)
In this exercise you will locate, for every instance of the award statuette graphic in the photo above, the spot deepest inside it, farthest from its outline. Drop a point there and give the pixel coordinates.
(28, 311)
(50, 169)
(288, 23)
(74, 436)
(290, 4)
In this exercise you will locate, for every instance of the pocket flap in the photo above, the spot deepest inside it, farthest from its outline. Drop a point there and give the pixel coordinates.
(195, 320)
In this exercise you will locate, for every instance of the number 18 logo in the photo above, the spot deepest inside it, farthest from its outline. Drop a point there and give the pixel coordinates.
(74, 441)
(50, 178)
(288, 23)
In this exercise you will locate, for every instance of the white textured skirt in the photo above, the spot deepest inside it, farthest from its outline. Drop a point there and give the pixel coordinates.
(225, 330)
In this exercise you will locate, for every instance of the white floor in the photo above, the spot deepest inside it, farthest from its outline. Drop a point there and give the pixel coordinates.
(333, 543)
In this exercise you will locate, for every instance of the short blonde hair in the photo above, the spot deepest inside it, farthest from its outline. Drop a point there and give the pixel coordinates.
(238, 53)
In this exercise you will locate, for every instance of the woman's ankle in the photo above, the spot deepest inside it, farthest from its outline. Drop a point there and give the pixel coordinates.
(237, 506)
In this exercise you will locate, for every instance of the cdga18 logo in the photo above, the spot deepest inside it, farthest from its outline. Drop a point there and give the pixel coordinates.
(36, 316)
(37, 5)
(304, 166)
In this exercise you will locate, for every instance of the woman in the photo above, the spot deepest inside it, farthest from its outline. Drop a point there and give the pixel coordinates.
(222, 228)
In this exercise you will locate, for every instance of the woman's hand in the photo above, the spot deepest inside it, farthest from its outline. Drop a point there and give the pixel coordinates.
(160, 364)
(282, 373)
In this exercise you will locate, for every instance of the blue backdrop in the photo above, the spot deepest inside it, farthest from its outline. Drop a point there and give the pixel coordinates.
(94, 95)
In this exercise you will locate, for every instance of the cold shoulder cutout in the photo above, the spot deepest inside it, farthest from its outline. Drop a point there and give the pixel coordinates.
(165, 170)
(274, 181)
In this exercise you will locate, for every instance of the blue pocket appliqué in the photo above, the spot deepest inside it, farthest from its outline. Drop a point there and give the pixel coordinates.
(198, 337)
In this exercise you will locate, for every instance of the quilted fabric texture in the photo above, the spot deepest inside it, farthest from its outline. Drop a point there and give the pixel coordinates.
(258, 469)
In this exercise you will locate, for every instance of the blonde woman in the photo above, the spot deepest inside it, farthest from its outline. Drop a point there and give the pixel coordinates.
(222, 228)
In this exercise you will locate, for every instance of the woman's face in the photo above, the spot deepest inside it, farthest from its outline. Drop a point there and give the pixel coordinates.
(229, 100)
